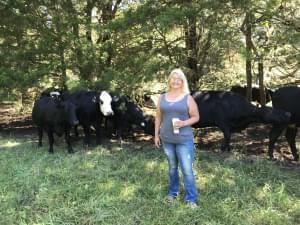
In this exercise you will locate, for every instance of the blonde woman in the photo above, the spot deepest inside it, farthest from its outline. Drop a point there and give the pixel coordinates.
(176, 112)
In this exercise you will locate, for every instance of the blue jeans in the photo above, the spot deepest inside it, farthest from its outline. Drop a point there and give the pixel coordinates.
(181, 154)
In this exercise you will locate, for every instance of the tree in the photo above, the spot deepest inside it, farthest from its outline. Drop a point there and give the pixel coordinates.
(262, 26)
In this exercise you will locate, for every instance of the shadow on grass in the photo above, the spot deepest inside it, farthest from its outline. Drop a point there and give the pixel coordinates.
(112, 185)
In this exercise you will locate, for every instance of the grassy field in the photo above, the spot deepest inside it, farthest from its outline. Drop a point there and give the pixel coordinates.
(108, 185)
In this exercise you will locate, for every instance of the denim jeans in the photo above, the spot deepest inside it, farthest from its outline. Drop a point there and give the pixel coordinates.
(181, 154)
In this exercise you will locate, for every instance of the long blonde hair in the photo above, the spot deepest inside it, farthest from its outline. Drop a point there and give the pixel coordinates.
(185, 86)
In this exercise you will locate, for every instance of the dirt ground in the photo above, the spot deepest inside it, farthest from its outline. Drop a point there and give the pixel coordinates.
(252, 142)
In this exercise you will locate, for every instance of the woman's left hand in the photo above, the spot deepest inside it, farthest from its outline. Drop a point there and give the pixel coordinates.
(180, 123)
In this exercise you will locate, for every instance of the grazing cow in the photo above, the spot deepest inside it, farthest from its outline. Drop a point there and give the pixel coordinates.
(231, 113)
(127, 115)
(91, 107)
(242, 90)
(54, 116)
(150, 121)
(288, 99)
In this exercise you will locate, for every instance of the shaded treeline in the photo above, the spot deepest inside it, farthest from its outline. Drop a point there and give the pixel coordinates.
(123, 44)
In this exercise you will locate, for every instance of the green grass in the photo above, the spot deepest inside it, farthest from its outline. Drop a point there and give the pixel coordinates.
(107, 185)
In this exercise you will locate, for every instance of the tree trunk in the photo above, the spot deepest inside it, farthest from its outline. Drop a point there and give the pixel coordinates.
(88, 13)
(203, 56)
(108, 11)
(262, 91)
(247, 33)
(191, 50)
(63, 78)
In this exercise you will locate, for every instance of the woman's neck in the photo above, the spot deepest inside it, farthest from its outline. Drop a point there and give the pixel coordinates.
(175, 92)
(173, 96)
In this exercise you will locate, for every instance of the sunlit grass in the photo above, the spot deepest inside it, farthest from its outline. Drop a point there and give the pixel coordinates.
(9, 144)
(109, 185)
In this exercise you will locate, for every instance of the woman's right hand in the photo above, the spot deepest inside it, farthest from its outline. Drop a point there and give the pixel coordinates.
(157, 141)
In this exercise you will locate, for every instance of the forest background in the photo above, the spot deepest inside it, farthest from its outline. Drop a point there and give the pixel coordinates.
(130, 46)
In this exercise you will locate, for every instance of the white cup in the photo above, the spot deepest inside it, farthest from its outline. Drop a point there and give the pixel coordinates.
(175, 129)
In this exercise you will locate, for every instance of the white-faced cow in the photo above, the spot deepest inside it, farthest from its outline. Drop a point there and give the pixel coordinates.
(54, 116)
(92, 106)
(231, 113)
(288, 99)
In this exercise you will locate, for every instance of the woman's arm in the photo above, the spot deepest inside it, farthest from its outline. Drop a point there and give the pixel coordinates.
(193, 112)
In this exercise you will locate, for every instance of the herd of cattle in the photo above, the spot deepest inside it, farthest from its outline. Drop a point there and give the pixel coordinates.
(56, 112)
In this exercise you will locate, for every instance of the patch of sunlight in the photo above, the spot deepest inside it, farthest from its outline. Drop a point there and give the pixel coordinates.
(230, 181)
(151, 165)
(10, 144)
(264, 192)
(205, 180)
(108, 185)
(268, 216)
(128, 191)
(90, 164)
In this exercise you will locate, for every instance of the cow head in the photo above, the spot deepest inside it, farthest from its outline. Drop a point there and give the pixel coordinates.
(105, 103)
(135, 114)
(126, 109)
(272, 115)
(149, 127)
(70, 112)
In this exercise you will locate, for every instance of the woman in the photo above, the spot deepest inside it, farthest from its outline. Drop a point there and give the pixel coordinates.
(178, 146)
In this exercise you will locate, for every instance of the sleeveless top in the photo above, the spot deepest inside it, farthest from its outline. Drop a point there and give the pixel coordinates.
(169, 110)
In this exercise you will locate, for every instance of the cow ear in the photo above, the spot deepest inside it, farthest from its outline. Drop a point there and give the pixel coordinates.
(116, 98)
(122, 107)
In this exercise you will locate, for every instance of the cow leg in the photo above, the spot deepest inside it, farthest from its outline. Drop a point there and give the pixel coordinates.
(40, 134)
(119, 134)
(273, 136)
(51, 141)
(107, 128)
(98, 133)
(290, 135)
(225, 146)
(86, 140)
(76, 131)
(115, 128)
(68, 140)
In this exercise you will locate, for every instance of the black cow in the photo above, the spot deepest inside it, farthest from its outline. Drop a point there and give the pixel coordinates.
(150, 124)
(91, 107)
(242, 90)
(53, 92)
(231, 113)
(54, 116)
(127, 115)
(288, 99)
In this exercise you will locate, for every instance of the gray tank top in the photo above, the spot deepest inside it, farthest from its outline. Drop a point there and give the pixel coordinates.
(169, 110)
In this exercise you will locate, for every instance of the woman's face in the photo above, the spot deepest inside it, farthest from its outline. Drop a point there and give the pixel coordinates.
(175, 82)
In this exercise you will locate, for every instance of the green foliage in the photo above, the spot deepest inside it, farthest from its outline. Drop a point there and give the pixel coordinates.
(65, 43)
